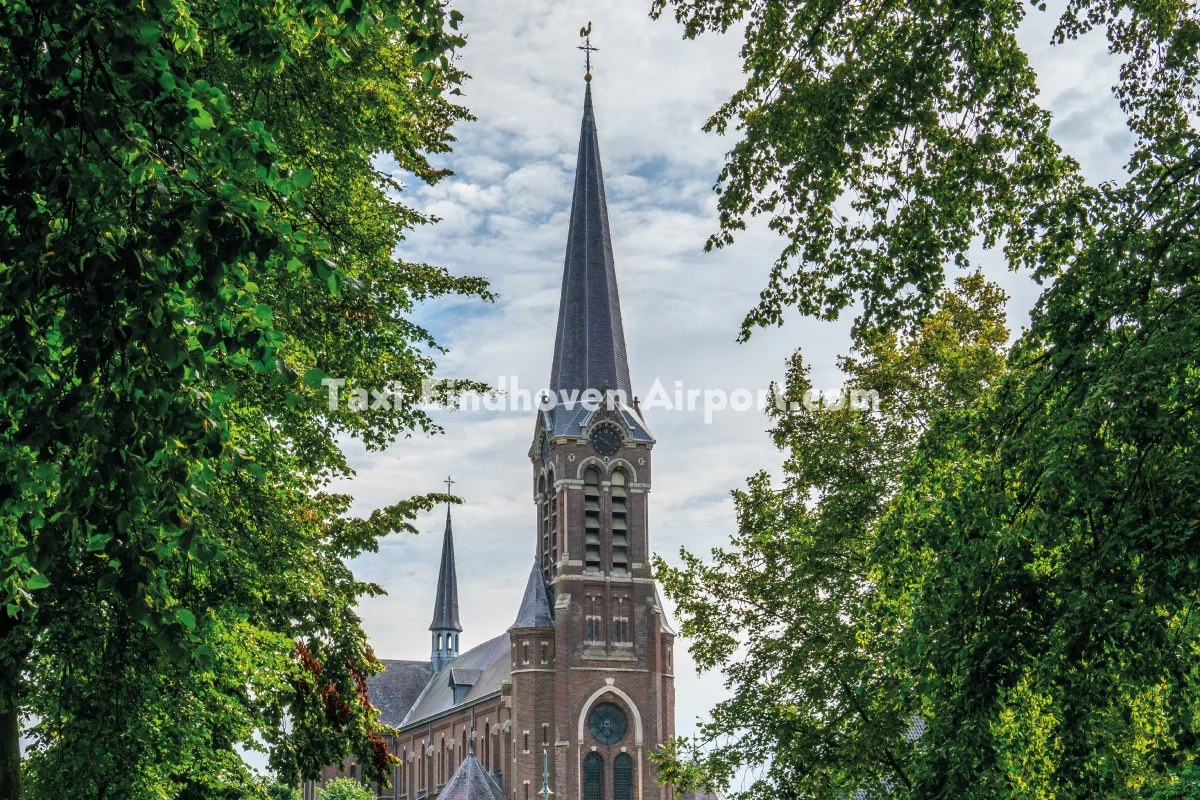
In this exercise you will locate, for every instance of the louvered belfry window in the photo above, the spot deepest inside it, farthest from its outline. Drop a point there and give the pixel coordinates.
(544, 524)
(620, 524)
(553, 523)
(591, 519)
(593, 777)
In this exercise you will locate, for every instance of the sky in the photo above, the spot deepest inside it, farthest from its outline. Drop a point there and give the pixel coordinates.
(504, 216)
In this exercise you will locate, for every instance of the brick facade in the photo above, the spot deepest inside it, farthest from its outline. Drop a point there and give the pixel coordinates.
(591, 650)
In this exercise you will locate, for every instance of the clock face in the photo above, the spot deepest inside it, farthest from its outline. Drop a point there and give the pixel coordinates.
(605, 440)
(607, 723)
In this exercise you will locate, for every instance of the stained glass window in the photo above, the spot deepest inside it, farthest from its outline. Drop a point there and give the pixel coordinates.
(607, 723)
(623, 777)
(593, 777)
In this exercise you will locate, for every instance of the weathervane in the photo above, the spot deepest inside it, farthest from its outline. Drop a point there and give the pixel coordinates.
(586, 47)
(449, 482)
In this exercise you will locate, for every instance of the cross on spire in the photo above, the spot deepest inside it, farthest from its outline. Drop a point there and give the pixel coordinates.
(586, 47)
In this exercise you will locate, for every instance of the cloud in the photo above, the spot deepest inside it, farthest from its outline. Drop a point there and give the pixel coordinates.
(505, 217)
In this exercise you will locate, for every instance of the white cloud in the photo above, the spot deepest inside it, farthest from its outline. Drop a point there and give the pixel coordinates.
(505, 217)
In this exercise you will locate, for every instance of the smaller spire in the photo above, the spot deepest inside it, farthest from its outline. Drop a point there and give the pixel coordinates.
(445, 625)
(445, 607)
(471, 782)
(535, 604)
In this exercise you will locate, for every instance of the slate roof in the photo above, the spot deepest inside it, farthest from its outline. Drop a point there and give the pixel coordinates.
(589, 348)
(536, 608)
(471, 782)
(394, 690)
(464, 677)
(666, 621)
(564, 421)
(493, 661)
(445, 607)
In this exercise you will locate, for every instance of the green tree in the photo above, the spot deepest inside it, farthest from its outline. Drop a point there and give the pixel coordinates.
(345, 789)
(1038, 571)
(1031, 580)
(283, 791)
(1187, 788)
(782, 610)
(194, 235)
(881, 139)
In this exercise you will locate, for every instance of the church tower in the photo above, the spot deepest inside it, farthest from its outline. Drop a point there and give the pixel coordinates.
(573, 699)
(592, 674)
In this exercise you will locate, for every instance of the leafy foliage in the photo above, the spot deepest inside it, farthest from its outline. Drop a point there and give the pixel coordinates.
(1019, 589)
(1039, 570)
(881, 139)
(1187, 788)
(345, 789)
(193, 234)
(781, 610)
(283, 791)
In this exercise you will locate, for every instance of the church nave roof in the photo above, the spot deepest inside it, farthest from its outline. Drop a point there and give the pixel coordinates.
(491, 660)
(396, 689)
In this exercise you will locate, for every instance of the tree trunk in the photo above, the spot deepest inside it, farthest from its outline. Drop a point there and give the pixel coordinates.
(10, 712)
(10, 751)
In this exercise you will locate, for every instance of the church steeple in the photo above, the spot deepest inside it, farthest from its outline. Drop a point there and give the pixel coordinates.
(445, 625)
(589, 348)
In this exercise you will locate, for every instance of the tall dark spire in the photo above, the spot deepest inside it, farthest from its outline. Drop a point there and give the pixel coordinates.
(445, 625)
(589, 348)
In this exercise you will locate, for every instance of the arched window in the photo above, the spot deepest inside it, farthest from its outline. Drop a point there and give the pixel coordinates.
(623, 777)
(620, 524)
(544, 526)
(487, 745)
(402, 776)
(620, 618)
(463, 755)
(553, 524)
(591, 519)
(593, 777)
